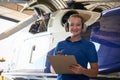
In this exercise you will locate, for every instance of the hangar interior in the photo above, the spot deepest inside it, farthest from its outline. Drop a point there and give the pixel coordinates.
(15, 11)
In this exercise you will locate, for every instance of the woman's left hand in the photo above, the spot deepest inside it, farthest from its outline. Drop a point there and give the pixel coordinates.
(76, 68)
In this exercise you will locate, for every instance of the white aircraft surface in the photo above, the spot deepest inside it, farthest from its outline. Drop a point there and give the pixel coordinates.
(37, 35)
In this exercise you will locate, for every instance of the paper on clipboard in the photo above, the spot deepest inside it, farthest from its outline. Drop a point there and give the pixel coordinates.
(61, 63)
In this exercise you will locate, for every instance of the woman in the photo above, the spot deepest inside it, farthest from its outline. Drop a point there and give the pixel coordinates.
(83, 50)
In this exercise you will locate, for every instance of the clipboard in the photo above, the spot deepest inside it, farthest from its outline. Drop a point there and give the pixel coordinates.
(61, 63)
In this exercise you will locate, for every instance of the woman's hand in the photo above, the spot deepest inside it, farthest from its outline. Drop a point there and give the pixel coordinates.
(76, 68)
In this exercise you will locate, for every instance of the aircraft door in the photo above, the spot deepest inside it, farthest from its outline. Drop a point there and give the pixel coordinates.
(33, 52)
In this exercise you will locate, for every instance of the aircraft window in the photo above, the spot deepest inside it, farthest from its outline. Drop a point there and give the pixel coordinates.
(66, 16)
(41, 24)
(38, 26)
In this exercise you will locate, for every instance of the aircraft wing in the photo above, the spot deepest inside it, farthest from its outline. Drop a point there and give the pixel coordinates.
(18, 27)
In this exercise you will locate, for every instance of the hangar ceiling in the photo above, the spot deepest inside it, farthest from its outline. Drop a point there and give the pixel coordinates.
(15, 8)
(11, 11)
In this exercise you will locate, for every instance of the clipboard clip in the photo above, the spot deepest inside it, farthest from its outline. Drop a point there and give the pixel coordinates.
(59, 53)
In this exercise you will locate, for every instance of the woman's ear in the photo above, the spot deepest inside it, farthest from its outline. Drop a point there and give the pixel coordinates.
(84, 28)
(66, 26)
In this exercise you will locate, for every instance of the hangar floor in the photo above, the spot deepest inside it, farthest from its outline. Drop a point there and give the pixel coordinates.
(55, 79)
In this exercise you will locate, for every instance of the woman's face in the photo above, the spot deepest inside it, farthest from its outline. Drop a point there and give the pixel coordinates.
(75, 26)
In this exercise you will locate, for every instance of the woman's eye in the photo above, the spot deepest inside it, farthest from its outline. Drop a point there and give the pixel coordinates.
(75, 24)
(71, 24)
(78, 24)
